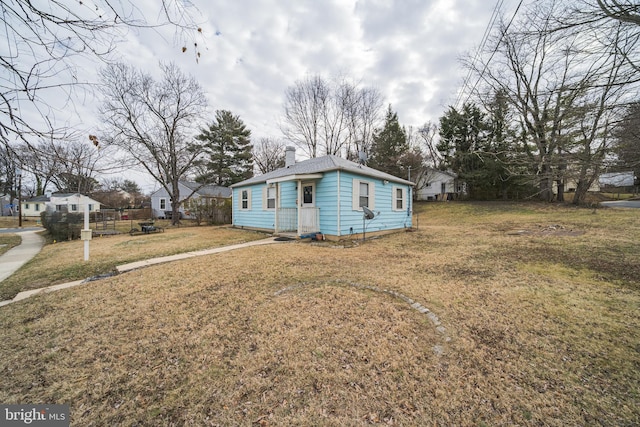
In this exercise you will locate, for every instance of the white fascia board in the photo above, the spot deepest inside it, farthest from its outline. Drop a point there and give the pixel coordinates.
(295, 177)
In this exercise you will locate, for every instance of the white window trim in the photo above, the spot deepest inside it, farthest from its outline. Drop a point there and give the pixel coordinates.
(162, 201)
(265, 198)
(248, 190)
(395, 198)
(356, 194)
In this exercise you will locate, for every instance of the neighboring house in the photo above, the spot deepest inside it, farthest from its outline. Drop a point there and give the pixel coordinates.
(617, 179)
(67, 202)
(322, 195)
(7, 205)
(570, 185)
(161, 206)
(437, 185)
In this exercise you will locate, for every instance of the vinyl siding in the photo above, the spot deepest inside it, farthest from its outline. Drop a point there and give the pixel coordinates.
(327, 202)
(330, 205)
(288, 194)
(256, 217)
(387, 219)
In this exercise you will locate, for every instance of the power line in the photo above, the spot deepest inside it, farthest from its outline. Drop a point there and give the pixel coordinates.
(483, 41)
(495, 49)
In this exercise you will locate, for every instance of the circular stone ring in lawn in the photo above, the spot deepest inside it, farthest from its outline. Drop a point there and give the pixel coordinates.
(433, 318)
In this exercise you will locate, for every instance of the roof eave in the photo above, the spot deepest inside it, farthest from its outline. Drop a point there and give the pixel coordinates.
(295, 177)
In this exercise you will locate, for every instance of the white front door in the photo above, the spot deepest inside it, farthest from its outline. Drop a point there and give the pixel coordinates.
(308, 221)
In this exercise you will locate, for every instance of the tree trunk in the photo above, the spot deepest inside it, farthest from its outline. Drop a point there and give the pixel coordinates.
(546, 184)
(560, 186)
(175, 203)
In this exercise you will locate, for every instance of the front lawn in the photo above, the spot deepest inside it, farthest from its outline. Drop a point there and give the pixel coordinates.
(64, 261)
(532, 320)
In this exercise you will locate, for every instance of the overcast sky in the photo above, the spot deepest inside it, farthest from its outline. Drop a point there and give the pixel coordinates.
(253, 50)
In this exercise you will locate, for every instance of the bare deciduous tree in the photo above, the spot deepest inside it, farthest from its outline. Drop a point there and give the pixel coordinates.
(45, 39)
(154, 122)
(566, 90)
(336, 117)
(70, 166)
(268, 154)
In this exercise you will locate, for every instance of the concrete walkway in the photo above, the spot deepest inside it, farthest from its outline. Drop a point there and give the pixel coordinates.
(16, 257)
(133, 266)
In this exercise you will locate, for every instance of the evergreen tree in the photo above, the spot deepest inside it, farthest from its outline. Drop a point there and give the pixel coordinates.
(481, 149)
(627, 134)
(463, 136)
(227, 151)
(389, 145)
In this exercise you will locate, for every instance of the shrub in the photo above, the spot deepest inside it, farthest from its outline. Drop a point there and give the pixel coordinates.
(62, 225)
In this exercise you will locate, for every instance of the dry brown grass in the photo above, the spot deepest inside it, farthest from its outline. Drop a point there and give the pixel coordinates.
(64, 261)
(13, 222)
(543, 330)
(8, 241)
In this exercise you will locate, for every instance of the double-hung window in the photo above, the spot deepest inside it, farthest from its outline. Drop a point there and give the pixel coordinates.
(271, 197)
(245, 199)
(363, 194)
(399, 198)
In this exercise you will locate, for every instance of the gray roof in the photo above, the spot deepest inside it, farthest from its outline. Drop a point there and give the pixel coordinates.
(45, 198)
(208, 190)
(38, 199)
(323, 164)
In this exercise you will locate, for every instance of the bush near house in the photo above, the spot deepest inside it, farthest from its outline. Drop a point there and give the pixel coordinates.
(213, 211)
(62, 225)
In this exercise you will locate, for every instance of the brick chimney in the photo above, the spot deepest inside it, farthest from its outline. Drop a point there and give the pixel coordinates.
(289, 156)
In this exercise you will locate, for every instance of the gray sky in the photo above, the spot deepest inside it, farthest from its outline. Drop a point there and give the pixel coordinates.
(253, 50)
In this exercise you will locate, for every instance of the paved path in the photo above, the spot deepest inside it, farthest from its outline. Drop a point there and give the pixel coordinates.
(136, 265)
(622, 204)
(17, 256)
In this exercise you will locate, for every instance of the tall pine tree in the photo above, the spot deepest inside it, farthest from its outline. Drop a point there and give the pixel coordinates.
(227, 151)
(389, 145)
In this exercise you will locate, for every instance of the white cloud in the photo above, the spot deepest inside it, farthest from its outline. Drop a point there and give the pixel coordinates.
(252, 51)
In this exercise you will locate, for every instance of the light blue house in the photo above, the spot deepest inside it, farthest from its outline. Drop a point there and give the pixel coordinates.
(322, 195)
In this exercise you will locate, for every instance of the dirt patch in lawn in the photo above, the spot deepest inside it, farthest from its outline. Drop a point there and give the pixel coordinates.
(545, 230)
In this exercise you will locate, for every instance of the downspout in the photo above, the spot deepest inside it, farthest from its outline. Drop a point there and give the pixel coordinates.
(299, 205)
(275, 226)
(338, 192)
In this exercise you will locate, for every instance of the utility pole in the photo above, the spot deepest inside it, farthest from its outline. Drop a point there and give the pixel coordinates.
(19, 174)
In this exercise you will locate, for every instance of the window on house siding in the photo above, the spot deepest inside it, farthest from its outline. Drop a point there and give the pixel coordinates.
(60, 208)
(26, 205)
(271, 197)
(399, 199)
(74, 208)
(364, 194)
(90, 207)
(37, 207)
(245, 199)
(163, 204)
